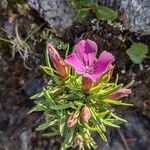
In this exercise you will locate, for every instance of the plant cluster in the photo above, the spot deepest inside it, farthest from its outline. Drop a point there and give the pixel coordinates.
(80, 97)
(84, 7)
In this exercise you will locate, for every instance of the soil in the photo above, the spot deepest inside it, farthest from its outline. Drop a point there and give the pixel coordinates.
(17, 84)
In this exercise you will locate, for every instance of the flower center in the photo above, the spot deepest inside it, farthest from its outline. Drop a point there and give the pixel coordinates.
(87, 69)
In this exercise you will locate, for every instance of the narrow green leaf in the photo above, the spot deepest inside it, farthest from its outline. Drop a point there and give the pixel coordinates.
(47, 59)
(112, 90)
(103, 114)
(62, 106)
(47, 96)
(38, 107)
(105, 93)
(35, 108)
(110, 124)
(38, 95)
(46, 125)
(47, 70)
(118, 118)
(51, 134)
(118, 102)
(102, 126)
(104, 138)
(97, 88)
(129, 84)
(62, 122)
(89, 128)
(69, 132)
(104, 13)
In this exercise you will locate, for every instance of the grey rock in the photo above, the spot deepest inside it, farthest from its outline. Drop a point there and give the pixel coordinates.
(57, 13)
(135, 14)
(25, 138)
(60, 16)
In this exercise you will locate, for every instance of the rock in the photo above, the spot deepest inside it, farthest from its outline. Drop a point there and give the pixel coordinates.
(57, 13)
(60, 16)
(25, 138)
(135, 14)
(33, 87)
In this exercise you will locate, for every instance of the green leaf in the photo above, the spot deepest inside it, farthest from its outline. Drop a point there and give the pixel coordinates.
(82, 13)
(51, 134)
(112, 90)
(88, 3)
(102, 126)
(38, 107)
(63, 106)
(47, 70)
(129, 84)
(69, 132)
(47, 58)
(103, 114)
(116, 102)
(106, 92)
(35, 108)
(46, 125)
(38, 95)
(62, 122)
(104, 13)
(48, 97)
(110, 124)
(104, 138)
(137, 52)
(118, 118)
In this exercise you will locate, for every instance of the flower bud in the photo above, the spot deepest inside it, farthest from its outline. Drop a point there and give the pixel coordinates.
(85, 113)
(86, 84)
(58, 62)
(119, 94)
(72, 120)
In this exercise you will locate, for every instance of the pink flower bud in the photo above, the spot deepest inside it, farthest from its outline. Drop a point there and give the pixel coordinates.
(72, 120)
(120, 93)
(86, 84)
(85, 113)
(58, 62)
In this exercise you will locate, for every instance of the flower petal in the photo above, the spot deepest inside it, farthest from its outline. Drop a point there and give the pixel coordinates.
(103, 63)
(86, 51)
(74, 61)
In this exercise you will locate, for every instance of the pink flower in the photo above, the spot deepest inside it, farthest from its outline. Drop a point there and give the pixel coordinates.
(120, 93)
(58, 62)
(83, 60)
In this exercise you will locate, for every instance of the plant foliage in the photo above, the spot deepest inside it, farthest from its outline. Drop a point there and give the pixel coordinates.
(84, 7)
(74, 113)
